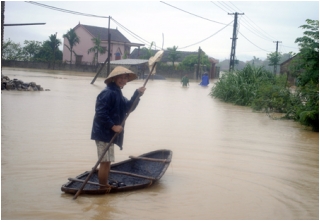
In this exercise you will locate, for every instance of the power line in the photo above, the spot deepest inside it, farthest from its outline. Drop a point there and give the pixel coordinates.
(253, 43)
(64, 10)
(84, 14)
(192, 13)
(226, 6)
(246, 17)
(263, 32)
(235, 6)
(257, 31)
(219, 7)
(207, 37)
(132, 33)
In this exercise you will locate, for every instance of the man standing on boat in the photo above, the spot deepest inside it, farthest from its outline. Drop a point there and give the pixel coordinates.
(110, 110)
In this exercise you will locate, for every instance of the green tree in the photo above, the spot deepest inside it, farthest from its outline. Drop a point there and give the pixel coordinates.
(45, 53)
(256, 61)
(274, 59)
(173, 55)
(54, 44)
(305, 66)
(12, 51)
(73, 40)
(31, 48)
(96, 49)
(190, 61)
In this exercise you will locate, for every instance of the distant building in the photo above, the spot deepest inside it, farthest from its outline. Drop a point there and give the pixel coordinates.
(119, 45)
(284, 69)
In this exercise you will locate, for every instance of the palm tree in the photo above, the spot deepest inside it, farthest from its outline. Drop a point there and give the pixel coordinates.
(256, 61)
(97, 48)
(73, 39)
(54, 45)
(173, 54)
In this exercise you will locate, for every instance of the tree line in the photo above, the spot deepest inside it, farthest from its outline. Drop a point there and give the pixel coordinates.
(273, 58)
(48, 51)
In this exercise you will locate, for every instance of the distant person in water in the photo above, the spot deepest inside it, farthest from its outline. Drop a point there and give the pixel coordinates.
(204, 80)
(185, 81)
(111, 109)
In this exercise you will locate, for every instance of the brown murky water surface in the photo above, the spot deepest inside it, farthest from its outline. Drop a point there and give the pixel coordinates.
(228, 162)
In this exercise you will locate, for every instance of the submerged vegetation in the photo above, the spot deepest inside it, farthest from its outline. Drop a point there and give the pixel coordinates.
(264, 91)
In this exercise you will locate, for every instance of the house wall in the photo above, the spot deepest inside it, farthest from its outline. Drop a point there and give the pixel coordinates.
(284, 70)
(85, 44)
(82, 48)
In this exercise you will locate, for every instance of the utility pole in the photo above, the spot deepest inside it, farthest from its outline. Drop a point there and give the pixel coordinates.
(234, 40)
(275, 65)
(109, 44)
(108, 58)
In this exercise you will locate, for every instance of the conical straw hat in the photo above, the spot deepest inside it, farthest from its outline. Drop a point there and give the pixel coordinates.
(119, 70)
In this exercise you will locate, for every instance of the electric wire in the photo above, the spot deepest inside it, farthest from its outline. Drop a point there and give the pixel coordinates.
(219, 7)
(64, 10)
(247, 18)
(89, 15)
(140, 38)
(244, 17)
(226, 6)
(236, 7)
(132, 33)
(244, 20)
(207, 37)
(253, 43)
(257, 30)
(127, 30)
(192, 13)
(238, 32)
(257, 33)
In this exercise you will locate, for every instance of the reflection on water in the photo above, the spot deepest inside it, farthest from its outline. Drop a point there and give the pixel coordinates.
(228, 162)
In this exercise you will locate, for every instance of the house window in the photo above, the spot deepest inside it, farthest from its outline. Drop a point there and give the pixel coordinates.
(118, 55)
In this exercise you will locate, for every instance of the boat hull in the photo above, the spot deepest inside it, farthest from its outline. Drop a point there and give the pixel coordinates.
(132, 174)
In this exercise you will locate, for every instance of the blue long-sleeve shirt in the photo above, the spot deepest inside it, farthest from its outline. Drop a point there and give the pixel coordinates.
(111, 109)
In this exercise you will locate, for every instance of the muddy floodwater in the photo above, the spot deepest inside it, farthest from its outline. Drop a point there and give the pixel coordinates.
(228, 161)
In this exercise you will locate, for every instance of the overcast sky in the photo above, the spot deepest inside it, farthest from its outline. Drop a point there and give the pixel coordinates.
(186, 24)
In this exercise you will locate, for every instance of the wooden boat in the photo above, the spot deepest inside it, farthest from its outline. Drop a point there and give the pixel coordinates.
(134, 173)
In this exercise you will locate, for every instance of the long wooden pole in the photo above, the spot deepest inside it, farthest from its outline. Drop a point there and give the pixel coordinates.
(113, 138)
